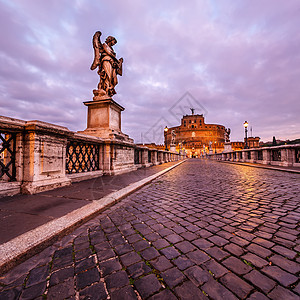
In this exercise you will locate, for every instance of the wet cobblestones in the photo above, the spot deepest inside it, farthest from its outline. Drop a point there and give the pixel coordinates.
(204, 230)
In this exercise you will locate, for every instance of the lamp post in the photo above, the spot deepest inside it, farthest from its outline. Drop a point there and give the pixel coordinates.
(166, 131)
(246, 131)
(215, 146)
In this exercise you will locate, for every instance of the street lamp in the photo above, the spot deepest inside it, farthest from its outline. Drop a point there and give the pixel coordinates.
(215, 146)
(166, 131)
(246, 131)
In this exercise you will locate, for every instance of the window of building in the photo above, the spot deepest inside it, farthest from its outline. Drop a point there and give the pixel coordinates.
(190, 121)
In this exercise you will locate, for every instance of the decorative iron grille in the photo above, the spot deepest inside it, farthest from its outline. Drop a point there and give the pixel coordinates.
(8, 155)
(149, 156)
(248, 155)
(297, 155)
(82, 157)
(259, 155)
(276, 155)
(137, 156)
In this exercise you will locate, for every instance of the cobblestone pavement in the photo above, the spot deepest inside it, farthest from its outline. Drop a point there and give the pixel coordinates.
(203, 230)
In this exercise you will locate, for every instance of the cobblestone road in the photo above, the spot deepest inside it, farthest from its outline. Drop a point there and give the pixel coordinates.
(203, 230)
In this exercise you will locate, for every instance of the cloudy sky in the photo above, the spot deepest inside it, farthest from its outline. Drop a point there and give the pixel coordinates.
(231, 60)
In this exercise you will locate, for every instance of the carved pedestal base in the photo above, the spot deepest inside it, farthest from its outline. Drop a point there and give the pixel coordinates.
(104, 118)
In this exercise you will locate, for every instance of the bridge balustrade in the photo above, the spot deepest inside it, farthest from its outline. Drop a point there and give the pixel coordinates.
(283, 155)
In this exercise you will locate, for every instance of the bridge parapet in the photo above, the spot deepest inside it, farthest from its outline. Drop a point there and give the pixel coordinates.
(283, 155)
(37, 156)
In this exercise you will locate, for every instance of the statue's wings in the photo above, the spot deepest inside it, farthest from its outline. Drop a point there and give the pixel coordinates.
(97, 50)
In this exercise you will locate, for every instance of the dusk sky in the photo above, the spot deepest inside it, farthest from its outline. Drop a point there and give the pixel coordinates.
(237, 60)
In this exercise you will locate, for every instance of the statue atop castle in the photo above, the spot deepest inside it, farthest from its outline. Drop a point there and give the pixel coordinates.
(108, 66)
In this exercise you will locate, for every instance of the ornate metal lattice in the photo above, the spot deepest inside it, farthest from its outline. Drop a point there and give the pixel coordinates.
(8, 155)
(149, 156)
(82, 157)
(297, 155)
(137, 156)
(276, 155)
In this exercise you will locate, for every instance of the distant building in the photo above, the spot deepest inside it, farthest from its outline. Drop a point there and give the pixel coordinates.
(196, 137)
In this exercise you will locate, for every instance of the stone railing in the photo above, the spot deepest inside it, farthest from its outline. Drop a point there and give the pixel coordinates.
(37, 156)
(284, 155)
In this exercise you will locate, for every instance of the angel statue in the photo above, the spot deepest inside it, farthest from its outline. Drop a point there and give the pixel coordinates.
(109, 65)
(227, 135)
(173, 135)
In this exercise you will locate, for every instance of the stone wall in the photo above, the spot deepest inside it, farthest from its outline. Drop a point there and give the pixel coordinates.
(38, 156)
(284, 155)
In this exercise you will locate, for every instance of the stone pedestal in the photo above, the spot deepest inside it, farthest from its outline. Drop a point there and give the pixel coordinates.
(173, 148)
(104, 119)
(227, 147)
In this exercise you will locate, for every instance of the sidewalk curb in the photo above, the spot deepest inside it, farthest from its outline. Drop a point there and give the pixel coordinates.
(28, 244)
(268, 167)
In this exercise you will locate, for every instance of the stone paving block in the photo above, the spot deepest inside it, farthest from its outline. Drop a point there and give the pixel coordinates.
(116, 281)
(173, 277)
(263, 242)
(85, 253)
(62, 290)
(61, 275)
(104, 254)
(134, 238)
(182, 262)
(202, 244)
(282, 293)
(37, 275)
(261, 281)
(234, 249)
(123, 248)
(152, 237)
(141, 245)
(34, 291)
(12, 293)
(239, 241)
(96, 291)
(238, 286)
(87, 278)
(161, 263)
(255, 260)
(217, 253)
(197, 275)
(285, 252)
(217, 240)
(169, 252)
(198, 257)
(258, 250)
(150, 253)
(258, 296)
(161, 243)
(125, 293)
(188, 235)
(215, 268)
(109, 266)
(163, 295)
(285, 264)
(138, 269)
(174, 238)
(185, 246)
(188, 291)
(281, 276)
(147, 285)
(85, 264)
(217, 291)
(236, 266)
